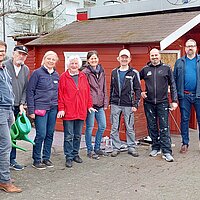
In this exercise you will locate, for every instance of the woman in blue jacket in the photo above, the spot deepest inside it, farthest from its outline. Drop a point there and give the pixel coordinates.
(42, 102)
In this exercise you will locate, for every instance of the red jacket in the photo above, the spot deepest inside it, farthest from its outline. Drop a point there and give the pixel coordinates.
(74, 100)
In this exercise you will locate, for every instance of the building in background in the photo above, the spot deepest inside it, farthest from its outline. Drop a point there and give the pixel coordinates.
(31, 17)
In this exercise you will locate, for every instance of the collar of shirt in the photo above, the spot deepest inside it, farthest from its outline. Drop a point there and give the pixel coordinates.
(49, 70)
(17, 69)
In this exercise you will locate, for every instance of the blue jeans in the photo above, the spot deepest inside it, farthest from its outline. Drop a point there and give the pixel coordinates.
(13, 151)
(158, 126)
(101, 121)
(45, 126)
(185, 108)
(6, 120)
(72, 137)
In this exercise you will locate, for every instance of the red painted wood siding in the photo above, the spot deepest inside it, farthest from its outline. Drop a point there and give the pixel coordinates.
(108, 58)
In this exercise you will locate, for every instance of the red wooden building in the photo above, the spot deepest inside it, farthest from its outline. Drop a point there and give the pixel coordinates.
(108, 36)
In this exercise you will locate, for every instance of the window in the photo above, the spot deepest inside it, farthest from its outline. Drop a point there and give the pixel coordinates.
(82, 55)
(170, 56)
(22, 28)
(24, 2)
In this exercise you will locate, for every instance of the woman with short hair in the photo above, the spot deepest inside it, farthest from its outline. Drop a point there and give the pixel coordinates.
(73, 102)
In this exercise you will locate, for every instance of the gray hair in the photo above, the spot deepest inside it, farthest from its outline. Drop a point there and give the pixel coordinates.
(74, 57)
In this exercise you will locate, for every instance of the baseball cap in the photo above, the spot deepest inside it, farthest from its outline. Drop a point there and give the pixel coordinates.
(21, 49)
(125, 52)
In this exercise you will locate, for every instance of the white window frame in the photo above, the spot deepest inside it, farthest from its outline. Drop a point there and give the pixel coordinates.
(82, 55)
(178, 52)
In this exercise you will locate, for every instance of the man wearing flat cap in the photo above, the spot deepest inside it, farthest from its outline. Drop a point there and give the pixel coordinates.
(19, 73)
(125, 94)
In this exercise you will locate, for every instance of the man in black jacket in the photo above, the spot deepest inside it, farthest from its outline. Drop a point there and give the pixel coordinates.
(125, 94)
(158, 76)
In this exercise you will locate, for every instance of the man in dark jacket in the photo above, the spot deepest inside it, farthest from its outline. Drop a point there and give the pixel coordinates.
(19, 73)
(158, 76)
(125, 94)
(187, 78)
(6, 120)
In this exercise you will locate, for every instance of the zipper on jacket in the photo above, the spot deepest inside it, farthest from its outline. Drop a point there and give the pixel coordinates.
(119, 87)
(155, 83)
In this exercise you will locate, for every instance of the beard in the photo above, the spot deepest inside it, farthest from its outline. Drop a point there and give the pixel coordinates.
(20, 62)
(155, 61)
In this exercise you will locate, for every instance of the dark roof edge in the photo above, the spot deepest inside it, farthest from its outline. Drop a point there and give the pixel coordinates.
(74, 44)
(151, 13)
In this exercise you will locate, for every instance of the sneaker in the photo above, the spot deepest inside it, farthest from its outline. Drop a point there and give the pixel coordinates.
(77, 159)
(168, 157)
(154, 153)
(93, 155)
(133, 152)
(48, 163)
(16, 166)
(115, 153)
(100, 152)
(39, 166)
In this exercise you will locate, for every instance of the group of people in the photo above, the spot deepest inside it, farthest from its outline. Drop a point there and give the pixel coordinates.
(81, 95)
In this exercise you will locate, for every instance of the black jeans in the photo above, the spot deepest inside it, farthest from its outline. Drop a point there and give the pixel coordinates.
(158, 126)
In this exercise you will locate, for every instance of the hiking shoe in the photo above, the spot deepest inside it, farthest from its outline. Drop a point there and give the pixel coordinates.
(168, 157)
(16, 166)
(154, 153)
(101, 153)
(133, 152)
(48, 163)
(115, 153)
(93, 155)
(39, 166)
(68, 163)
(77, 159)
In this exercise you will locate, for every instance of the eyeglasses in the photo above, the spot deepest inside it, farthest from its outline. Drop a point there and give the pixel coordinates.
(190, 46)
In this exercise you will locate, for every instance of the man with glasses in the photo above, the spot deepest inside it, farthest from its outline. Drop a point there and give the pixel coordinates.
(187, 78)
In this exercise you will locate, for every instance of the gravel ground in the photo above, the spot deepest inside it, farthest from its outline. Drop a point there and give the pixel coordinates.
(120, 178)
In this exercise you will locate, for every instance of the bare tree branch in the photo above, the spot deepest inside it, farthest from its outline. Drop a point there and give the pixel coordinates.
(29, 13)
(53, 8)
(19, 11)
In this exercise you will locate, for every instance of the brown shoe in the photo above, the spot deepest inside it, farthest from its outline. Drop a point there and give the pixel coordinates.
(9, 187)
(184, 148)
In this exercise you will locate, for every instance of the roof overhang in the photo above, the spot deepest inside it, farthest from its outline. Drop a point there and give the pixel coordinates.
(179, 32)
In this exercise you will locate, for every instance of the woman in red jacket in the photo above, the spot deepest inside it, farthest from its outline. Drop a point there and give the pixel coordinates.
(73, 102)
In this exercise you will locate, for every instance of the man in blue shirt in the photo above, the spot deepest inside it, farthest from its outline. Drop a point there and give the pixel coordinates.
(187, 78)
